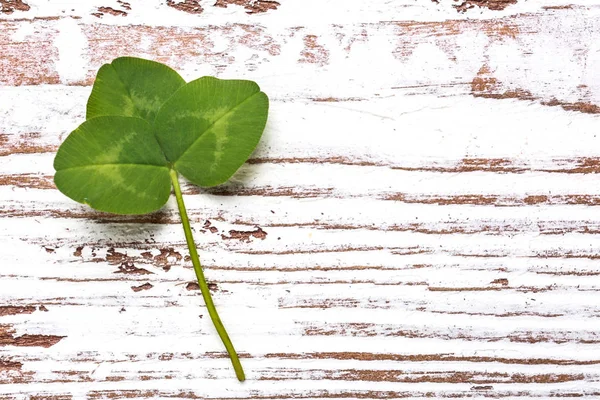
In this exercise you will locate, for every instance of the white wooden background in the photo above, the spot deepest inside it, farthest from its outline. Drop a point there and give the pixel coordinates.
(421, 218)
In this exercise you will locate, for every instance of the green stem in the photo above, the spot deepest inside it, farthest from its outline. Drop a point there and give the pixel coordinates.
(212, 311)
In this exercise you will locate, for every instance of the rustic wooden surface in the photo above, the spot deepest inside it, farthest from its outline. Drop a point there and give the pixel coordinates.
(420, 219)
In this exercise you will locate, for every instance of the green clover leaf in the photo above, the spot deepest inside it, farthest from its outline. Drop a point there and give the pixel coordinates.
(114, 164)
(209, 128)
(132, 87)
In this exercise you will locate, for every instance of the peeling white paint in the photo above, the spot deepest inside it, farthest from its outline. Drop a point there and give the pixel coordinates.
(155, 12)
(25, 30)
(73, 48)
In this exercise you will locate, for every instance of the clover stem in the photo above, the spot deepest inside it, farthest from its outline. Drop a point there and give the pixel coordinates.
(212, 311)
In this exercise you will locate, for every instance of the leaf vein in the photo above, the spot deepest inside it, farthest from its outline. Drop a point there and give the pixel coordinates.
(112, 164)
(214, 123)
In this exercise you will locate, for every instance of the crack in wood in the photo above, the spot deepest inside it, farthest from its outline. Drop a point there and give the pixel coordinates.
(484, 85)
(365, 356)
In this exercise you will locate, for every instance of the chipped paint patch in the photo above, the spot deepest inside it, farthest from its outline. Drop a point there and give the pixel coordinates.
(109, 10)
(145, 286)
(8, 338)
(313, 52)
(10, 6)
(494, 5)
(251, 6)
(245, 236)
(15, 310)
(188, 6)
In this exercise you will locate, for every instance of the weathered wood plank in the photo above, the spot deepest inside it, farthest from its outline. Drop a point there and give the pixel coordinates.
(495, 58)
(420, 219)
(191, 12)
